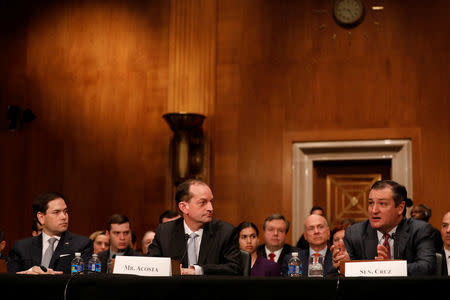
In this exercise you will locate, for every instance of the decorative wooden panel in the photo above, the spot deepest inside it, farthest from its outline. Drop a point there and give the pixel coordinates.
(347, 196)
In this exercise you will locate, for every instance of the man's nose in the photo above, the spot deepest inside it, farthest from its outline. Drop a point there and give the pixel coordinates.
(209, 206)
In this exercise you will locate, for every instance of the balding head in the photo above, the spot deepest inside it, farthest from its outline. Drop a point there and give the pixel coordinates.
(317, 232)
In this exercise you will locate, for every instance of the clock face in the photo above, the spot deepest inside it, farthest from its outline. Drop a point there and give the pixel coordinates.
(348, 12)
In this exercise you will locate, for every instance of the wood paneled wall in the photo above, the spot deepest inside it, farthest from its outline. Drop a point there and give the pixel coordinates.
(100, 74)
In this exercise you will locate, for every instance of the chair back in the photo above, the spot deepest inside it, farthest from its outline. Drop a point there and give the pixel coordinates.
(246, 261)
(438, 264)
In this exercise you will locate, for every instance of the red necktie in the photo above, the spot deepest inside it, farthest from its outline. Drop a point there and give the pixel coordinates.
(272, 256)
(386, 244)
(316, 257)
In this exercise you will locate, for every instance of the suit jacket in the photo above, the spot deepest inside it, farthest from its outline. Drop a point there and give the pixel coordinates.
(218, 254)
(304, 258)
(265, 267)
(287, 249)
(104, 256)
(412, 242)
(27, 252)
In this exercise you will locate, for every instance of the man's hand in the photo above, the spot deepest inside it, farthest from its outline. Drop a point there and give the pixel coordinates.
(36, 270)
(187, 271)
(339, 254)
(382, 252)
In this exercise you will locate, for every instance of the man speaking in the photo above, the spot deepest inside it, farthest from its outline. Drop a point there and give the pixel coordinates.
(202, 244)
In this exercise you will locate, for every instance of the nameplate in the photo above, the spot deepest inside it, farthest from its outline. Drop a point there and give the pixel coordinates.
(143, 266)
(375, 268)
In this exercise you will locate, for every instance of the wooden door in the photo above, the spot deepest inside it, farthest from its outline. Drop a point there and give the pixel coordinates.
(342, 187)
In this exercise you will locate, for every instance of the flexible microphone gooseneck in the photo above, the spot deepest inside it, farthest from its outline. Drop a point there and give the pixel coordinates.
(186, 239)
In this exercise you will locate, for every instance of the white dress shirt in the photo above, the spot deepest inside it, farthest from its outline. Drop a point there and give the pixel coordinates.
(447, 258)
(277, 253)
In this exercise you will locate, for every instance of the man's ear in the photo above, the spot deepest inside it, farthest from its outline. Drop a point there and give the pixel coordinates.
(182, 206)
(107, 233)
(40, 218)
(402, 206)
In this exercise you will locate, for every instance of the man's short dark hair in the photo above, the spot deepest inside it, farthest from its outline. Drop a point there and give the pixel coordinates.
(183, 193)
(40, 203)
(316, 208)
(399, 193)
(168, 214)
(276, 217)
(117, 219)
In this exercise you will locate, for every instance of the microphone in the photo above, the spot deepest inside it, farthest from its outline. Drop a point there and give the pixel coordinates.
(396, 245)
(186, 238)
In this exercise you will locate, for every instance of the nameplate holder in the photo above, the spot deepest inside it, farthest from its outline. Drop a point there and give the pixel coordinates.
(376, 268)
(143, 266)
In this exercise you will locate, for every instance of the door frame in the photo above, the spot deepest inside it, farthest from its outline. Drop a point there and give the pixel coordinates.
(394, 144)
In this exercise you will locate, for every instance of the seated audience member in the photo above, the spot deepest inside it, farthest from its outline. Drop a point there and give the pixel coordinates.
(246, 236)
(423, 212)
(147, 240)
(2, 245)
(55, 248)
(302, 243)
(387, 230)
(119, 233)
(36, 228)
(445, 232)
(203, 245)
(275, 248)
(168, 215)
(317, 234)
(100, 241)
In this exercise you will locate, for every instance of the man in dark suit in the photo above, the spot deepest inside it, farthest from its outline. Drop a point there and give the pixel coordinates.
(275, 248)
(317, 234)
(52, 251)
(445, 233)
(2, 245)
(388, 234)
(118, 229)
(202, 244)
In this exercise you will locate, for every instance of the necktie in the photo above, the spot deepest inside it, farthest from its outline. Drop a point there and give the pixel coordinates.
(316, 257)
(386, 244)
(48, 253)
(192, 249)
(272, 256)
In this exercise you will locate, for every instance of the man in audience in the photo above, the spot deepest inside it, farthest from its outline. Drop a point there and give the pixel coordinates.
(203, 245)
(168, 215)
(302, 243)
(147, 240)
(119, 233)
(445, 232)
(317, 233)
(423, 212)
(387, 234)
(2, 245)
(275, 248)
(52, 251)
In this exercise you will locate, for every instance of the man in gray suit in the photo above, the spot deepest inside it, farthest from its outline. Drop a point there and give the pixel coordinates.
(388, 234)
(202, 244)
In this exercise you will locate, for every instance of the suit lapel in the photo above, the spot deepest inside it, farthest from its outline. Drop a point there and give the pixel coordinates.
(62, 248)
(179, 243)
(370, 243)
(36, 250)
(401, 239)
(207, 237)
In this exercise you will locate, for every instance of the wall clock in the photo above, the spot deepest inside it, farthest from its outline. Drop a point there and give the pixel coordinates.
(348, 13)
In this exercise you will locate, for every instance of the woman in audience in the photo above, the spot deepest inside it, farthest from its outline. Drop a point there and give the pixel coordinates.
(100, 241)
(247, 238)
